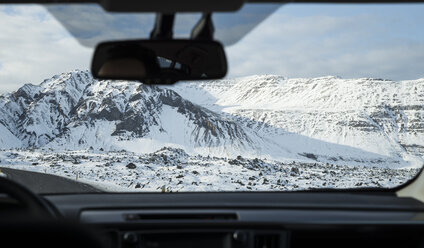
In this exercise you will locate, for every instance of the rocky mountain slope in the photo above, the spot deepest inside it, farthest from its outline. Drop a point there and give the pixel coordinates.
(73, 111)
(374, 115)
(330, 120)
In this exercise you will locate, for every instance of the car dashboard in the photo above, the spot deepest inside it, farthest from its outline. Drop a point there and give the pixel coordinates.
(247, 220)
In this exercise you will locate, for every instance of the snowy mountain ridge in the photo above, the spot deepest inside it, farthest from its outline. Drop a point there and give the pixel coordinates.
(329, 119)
(375, 115)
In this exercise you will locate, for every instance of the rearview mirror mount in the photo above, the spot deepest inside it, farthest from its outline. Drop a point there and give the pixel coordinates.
(159, 61)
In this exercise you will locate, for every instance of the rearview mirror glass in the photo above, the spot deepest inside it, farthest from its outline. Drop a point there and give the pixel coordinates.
(159, 61)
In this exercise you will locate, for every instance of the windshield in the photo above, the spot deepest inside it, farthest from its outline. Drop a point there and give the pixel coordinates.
(317, 96)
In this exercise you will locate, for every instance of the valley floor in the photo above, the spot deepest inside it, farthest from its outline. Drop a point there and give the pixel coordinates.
(172, 170)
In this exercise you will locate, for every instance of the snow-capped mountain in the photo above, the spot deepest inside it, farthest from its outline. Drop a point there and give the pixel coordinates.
(374, 115)
(74, 111)
(339, 121)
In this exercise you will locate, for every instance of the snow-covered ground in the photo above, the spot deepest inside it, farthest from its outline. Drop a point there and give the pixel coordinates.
(172, 170)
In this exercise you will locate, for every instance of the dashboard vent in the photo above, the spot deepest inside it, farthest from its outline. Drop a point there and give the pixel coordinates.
(267, 241)
(181, 216)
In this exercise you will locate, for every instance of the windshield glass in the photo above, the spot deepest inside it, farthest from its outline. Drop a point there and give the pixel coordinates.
(317, 96)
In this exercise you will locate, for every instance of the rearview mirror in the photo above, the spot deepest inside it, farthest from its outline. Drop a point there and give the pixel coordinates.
(159, 61)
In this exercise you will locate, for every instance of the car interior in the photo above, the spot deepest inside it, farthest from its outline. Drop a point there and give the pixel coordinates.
(365, 217)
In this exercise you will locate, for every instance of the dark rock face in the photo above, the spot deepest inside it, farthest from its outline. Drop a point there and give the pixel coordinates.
(133, 124)
(309, 155)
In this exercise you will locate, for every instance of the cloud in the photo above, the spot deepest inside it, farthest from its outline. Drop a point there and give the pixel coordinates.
(94, 24)
(34, 46)
(349, 46)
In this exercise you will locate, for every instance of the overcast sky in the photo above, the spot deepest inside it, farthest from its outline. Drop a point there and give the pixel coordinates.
(296, 41)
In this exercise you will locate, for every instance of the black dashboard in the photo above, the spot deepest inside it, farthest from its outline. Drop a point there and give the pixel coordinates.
(250, 220)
